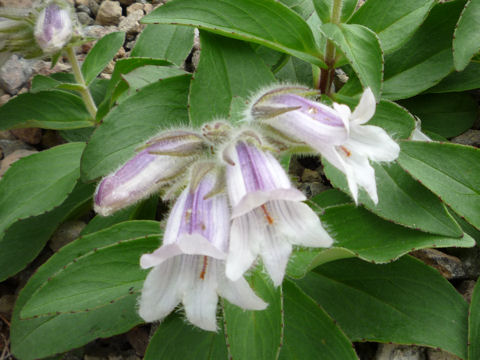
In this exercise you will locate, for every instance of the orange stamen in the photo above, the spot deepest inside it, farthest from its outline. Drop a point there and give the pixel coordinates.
(267, 214)
(204, 268)
(346, 151)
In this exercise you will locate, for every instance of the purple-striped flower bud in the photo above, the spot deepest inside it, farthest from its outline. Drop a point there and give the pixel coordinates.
(164, 158)
(268, 213)
(53, 28)
(190, 265)
(287, 111)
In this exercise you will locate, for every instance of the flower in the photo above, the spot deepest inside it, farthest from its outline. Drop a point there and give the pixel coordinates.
(417, 134)
(164, 158)
(268, 213)
(364, 143)
(288, 113)
(190, 265)
(53, 28)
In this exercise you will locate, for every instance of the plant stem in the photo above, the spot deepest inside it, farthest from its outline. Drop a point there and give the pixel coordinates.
(327, 75)
(77, 72)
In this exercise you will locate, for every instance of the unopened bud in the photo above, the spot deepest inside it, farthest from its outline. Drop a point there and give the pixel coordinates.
(53, 28)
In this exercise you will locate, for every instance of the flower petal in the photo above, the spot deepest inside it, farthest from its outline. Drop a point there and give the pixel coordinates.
(364, 175)
(162, 289)
(299, 223)
(200, 298)
(373, 142)
(275, 251)
(365, 108)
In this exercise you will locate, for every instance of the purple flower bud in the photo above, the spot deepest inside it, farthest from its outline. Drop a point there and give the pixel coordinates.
(53, 28)
(164, 158)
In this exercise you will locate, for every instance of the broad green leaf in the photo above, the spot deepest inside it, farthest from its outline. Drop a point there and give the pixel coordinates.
(304, 8)
(406, 302)
(448, 115)
(124, 66)
(274, 60)
(101, 54)
(169, 42)
(362, 49)
(266, 22)
(54, 109)
(296, 71)
(227, 68)
(97, 271)
(426, 58)
(309, 331)
(176, 340)
(468, 79)
(161, 104)
(474, 325)
(450, 171)
(394, 21)
(77, 135)
(42, 82)
(466, 39)
(255, 334)
(45, 336)
(360, 233)
(24, 240)
(39, 182)
(324, 9)
(403, 200)
(330, 197)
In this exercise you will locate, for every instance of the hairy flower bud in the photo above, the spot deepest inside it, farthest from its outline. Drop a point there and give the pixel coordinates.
(162, 159)
(53, 28)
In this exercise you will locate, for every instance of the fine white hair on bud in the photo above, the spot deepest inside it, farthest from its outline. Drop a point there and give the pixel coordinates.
(53, 28)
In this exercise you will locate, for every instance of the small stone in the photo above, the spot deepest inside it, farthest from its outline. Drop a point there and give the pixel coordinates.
(134, 7)
(109, 13)
(9, 146)
(6, 135)
(11, 158)
(470, 137)
(310, 176)
(139, 337)
(130, 45)
(14, 74)
(84, 18)
(81, 3)
(85, 9)
(65, 234)
(437, 354)
(4, 99)
(147, 8)
(51, 138)
(93, 5)
(399, 352)
(126, 2)
(131, 23)
(466, 289)
(449, 266)
(31, 136)
(97, 31)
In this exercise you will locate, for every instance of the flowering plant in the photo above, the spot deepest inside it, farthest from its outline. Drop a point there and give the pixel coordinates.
(261, 269)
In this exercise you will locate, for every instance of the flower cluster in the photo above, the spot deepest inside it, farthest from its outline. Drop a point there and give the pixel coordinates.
(238, 204)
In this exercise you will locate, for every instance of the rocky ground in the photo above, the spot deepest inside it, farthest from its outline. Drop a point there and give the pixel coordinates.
(460, 266)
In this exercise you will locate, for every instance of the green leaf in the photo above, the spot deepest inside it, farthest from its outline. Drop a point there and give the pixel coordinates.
(42, 82)
(101, 54)
(124, 66)
(466, 39)
(96, 271)
(309, 331)
(402, 200)
(169, 42)
(162, 104)
(330, 197)
(324, 9)
(304, 8)
(227, 68)
(394, 21)
(474, 325)
(176, 340)
(244, 20)
(405, 302)
(255, 334)
(296, 71)
(24, 240)
(426, 58)
(54, 109)
(362, 49)
(468, 79)
(45, 336)
(450, 171)
(448, 115)
(55, 172)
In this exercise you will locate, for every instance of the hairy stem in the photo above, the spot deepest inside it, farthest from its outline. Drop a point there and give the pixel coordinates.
(85, 92)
